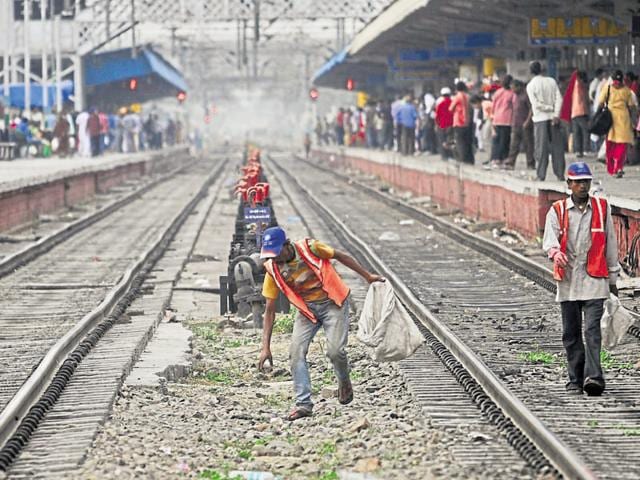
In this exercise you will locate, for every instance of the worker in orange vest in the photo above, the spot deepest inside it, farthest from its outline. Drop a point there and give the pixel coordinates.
(304, 273)
(580, 239)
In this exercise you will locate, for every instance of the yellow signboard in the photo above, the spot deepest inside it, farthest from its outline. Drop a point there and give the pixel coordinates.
(362, 99)
(574, 30)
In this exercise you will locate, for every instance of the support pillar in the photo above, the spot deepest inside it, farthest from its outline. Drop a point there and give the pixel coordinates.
(7, 11)
(45, 62)
(78, 80)
(27, 58)
(58, 53)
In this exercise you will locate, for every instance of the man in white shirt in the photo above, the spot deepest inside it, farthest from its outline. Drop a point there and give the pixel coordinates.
(548, 136)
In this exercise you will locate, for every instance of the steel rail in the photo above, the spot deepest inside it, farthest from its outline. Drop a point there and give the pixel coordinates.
(558, 453)
(29, 253)
(31, 391)
(505, 256)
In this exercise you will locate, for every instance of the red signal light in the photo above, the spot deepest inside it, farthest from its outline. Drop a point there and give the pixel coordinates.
(351, 84)
(314, 94)
(207, 119)
(133, 84)
(182, 96)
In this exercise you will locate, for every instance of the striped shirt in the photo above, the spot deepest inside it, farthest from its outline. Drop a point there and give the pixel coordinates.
(299, 277)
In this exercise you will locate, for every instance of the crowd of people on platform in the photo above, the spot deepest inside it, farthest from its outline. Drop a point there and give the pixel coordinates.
(502, 118)
(88, 133)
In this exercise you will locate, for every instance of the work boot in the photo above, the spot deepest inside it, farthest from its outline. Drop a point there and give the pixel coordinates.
(345, 392)
(573, 389)
(593, 386)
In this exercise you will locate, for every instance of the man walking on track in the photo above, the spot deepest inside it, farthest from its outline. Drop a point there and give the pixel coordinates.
(580, 239)
(304, 273)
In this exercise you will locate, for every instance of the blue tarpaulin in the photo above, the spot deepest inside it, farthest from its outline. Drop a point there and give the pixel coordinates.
(118, 65)
(16, 94)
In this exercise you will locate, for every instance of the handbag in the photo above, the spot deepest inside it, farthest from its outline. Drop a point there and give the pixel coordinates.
(602, 121)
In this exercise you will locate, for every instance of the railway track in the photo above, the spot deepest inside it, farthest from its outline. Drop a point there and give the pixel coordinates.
(503, 318)
(19, 257)
(58, 305)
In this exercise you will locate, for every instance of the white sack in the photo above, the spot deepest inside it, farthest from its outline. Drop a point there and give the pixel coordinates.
(385, 325)
(615, 322)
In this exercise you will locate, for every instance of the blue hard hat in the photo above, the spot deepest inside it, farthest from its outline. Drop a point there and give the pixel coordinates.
(273, 240)
(579, 171)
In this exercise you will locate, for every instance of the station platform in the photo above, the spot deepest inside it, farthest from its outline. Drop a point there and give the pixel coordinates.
(512, 197)
(32, 187)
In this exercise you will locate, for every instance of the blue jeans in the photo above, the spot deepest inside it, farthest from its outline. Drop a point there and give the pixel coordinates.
(335, 321)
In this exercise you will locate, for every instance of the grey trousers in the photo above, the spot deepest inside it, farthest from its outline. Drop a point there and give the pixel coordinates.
(407, 140)
(521, 136)
(583, 361)
(580, 131)
(548, 138)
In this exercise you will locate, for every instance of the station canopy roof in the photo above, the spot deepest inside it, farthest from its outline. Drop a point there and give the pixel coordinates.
(17, 98)
(424, 38)
(340, 68)
(108, 77)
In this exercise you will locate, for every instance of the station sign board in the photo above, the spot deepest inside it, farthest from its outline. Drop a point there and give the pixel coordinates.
(407, 59)
(406, 55)
(461, 41)
(585, 30)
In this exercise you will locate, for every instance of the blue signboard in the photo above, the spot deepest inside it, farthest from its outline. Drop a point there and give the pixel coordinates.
(419, 60)
(373, 80)
(444, 53)
(257, 214)
(472, 40)
(413, 55)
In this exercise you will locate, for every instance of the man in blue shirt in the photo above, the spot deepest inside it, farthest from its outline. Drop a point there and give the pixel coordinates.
(406, 118)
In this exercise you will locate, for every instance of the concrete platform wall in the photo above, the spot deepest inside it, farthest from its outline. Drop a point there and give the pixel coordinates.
(485, 195)
(486, 202)
(23, 205)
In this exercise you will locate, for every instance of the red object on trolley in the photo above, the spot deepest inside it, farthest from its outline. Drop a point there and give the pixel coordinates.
(265, 189)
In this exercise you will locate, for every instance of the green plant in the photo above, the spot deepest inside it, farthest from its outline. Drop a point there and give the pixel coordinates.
(225, 378)
(206, 331)
(329, 475)
(355, 375)
(273, 400)
(538, 356)
(215, 475)
(328, 377)
(592, 423)
(628, 431)
(284, 321)
(263, 440)
(328, 448)
(245, 454)
(233, 343)
(609, 361)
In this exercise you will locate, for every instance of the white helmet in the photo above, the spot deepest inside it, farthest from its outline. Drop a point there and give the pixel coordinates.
(445, 91)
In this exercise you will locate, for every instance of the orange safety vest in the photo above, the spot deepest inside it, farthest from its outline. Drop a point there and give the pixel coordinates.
(597, 255)
(331, 282)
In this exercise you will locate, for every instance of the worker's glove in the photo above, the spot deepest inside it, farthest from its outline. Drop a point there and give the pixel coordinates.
(559, 258)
